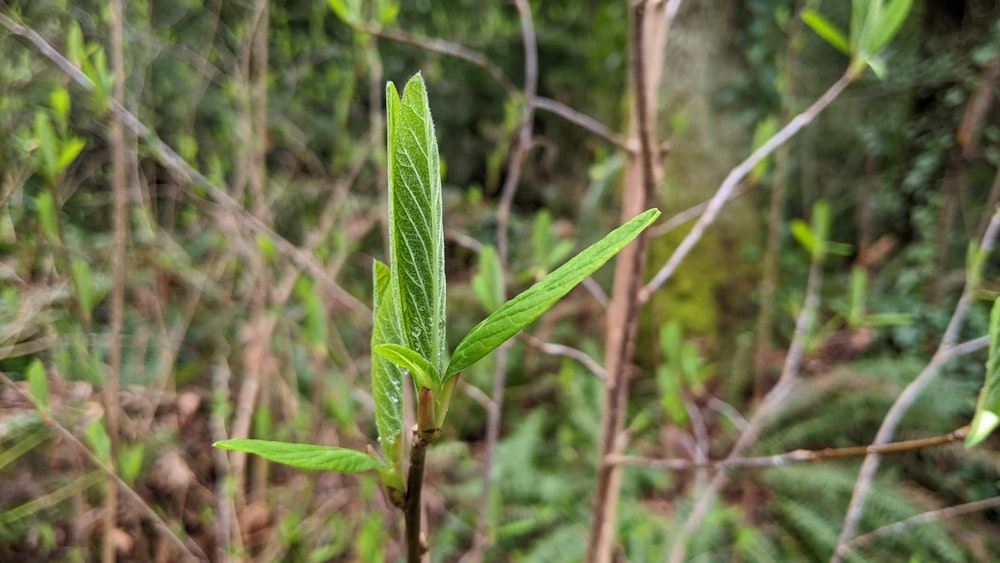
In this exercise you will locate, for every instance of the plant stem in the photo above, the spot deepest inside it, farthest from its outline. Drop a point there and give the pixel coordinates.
(416, 548)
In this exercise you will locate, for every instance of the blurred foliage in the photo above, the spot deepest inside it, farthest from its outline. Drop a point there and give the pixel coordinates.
(211, 306)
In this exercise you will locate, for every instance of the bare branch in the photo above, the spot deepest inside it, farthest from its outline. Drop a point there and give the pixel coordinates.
(440, 46)
(946, 351)
(723, 194)
(925, 518)
(584, 121)
(775, 397)
(565, 351)
(797, 456)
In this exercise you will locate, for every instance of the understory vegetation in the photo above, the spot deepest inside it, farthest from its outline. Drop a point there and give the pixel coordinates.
(192, 194)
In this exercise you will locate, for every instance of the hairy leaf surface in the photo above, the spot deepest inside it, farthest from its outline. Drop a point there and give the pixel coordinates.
(416, 233)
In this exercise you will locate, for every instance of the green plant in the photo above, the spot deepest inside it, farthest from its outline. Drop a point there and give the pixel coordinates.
(409, 329)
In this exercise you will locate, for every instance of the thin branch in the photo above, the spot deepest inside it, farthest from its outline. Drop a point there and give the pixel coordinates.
(920, 519)
(585, 121)
(797, 456)
(169, 159)
(119, 235)
(439, 46)
(774, 398)
(945, 352)
(723, 194)
(517, 157)
(691, 213)
(186, 546)
(564, 351)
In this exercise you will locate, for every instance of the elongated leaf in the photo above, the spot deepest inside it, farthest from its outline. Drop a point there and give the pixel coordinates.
(416, 233)
(422, 372)
(891, 19)
(987, 416)
(304, 456)
(387, 378)
(803, 234)
(826, 30)
(38, 384)
(488, 281)
(522, 310)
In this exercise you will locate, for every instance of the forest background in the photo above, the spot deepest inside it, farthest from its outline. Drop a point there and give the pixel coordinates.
(186, 250)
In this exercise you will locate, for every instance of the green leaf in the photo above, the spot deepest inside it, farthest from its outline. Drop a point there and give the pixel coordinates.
(890, 20)
(304, 456)
(83, 279)
(416, 232)
(766, 128)
(38, 384)
(68, 153)
(888, 319)
(47, 217)
(422, 372)
(859, 292)
(488, 282)
(99, 440)
(60, 101)
(826, 30)
(45, 136)
(346, 10)
(387, 377)
(987, 416)
(803, 234)
(821, 227)
(522, 310)
(315, 328)
(861, 17)
(130, 461)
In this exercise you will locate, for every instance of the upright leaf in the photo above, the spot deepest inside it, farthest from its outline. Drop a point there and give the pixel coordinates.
(890, 20)
(522, 310)
(387, 377)
(416, 233)
(38, 384)
(488, 281)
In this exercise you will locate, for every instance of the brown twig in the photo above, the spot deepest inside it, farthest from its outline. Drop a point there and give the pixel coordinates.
(583, 120)
(945, 352)
(927, 517)
(649, 24)
(119, 191)
(787, 458)
(172, 161)
(440, 46)
(565, 351)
